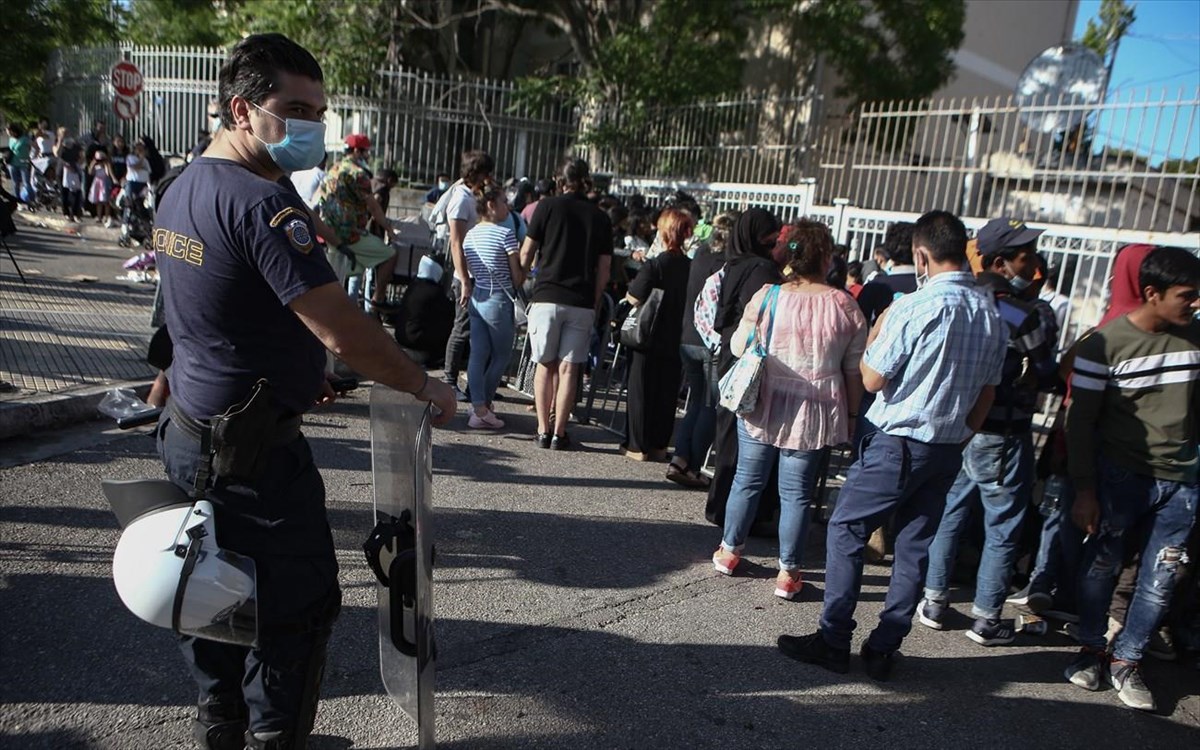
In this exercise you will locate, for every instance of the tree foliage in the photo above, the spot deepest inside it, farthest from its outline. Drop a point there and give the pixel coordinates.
(32, 30)
(175, 22)
(881, 49)
(1104, 34)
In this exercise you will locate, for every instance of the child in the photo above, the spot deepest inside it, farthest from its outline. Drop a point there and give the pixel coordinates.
(102, 181)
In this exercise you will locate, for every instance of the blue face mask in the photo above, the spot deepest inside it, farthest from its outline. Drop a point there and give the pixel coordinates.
(302, 147)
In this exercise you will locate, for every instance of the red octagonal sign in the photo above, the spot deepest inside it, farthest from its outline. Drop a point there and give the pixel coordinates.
(126, 79)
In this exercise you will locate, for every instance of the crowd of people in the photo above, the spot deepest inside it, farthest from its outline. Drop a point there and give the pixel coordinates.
(928, 363)
(95, 176)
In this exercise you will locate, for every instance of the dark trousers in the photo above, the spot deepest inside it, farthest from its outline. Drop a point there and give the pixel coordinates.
(892, 475)
(694, 433)
(458, 346)
(280, 522)
(653, 392)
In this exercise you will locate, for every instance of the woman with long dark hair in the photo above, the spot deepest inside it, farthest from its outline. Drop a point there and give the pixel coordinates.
(748, 268)
(654, 374)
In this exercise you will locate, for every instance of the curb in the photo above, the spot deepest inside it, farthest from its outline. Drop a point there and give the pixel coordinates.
(55, 410)
(86, 229)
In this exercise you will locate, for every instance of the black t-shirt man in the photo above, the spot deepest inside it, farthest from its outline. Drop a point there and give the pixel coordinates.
(234, 249)
(877, 295)
(572, 233)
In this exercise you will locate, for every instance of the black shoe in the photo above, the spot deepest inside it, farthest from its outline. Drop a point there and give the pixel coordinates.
(877, 664)
(812, 649)
(221, 723)
(543, 439)
(561, 443)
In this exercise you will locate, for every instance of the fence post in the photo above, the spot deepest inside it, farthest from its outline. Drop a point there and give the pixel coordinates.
(840, 230)
(968, 192)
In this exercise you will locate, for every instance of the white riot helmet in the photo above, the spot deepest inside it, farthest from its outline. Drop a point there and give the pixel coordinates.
(169, 570)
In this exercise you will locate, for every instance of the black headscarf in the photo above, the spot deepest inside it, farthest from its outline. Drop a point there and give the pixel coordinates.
(746, 238)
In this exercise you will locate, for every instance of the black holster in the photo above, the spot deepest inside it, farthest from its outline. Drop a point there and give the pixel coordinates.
(242, 436)
(240, 440)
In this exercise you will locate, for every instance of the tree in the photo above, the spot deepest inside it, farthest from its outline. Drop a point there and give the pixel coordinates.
(32, 30)
(880, 49)
(1105, 36)
(175, 22)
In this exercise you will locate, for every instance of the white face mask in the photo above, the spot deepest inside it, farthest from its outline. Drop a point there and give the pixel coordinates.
(443, 185)
(922, 265)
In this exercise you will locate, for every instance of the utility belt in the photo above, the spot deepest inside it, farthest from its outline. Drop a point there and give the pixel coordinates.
(236, 444)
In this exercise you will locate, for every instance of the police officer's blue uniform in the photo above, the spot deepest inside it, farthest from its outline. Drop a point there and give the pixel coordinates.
(233, 250)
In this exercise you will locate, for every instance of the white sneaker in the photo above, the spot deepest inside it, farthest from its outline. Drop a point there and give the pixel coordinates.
(488, 421)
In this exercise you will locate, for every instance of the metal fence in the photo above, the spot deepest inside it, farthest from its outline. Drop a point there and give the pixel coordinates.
(1083, 255)
(178, 84)
(746, 138)
(980, 158)
(419, 122)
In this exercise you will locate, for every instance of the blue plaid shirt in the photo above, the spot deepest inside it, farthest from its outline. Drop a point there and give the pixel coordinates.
(938, 348)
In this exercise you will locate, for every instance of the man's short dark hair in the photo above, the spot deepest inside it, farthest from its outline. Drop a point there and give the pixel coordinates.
(898, 242)
(575, 176)
(943, 235)
(476, 166)
(253, 67)
(1166, 267)
(440, 175)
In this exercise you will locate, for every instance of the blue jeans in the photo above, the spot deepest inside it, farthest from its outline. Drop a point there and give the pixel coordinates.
(1127, 499)
(892, 475)
(22, 187)
(1056, 568)
(999, 472)
(797, 480)
(694, 433)
(492, 330)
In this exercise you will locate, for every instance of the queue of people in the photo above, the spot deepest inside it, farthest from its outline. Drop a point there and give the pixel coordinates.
(931, 371)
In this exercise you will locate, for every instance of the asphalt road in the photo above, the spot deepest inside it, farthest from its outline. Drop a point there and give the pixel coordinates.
(576, 609)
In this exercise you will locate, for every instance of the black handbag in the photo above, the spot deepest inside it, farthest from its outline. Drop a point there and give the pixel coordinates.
(637, 331)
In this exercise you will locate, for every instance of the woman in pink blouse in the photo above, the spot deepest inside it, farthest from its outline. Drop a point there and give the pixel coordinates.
(808, 400)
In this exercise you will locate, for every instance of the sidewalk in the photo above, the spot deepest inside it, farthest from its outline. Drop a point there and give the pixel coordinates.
(72, 331)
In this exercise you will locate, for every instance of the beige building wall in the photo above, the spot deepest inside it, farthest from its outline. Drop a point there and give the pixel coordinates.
(1000, 37)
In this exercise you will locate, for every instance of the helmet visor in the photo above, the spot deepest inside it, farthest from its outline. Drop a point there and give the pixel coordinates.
(216, 600)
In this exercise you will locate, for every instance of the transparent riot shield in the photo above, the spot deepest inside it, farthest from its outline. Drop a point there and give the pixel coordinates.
(400, 552)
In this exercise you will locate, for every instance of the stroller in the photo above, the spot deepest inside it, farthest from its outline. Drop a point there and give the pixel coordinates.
(137, 220)
(46, 195)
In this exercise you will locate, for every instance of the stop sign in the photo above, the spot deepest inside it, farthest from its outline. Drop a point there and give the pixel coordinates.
(126, 79)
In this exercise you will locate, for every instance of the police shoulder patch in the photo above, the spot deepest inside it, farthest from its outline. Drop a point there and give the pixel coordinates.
(283, 215)
(300, 235)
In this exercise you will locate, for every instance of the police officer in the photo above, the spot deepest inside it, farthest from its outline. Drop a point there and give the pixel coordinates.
(249, 298)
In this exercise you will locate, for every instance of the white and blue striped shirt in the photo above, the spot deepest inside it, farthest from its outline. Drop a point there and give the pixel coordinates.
(938, 348)
(487, 247)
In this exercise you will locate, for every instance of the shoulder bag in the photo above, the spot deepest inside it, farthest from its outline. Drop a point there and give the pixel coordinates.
(739, 387)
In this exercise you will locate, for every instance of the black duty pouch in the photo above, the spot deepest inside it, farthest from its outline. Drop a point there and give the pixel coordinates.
(242, 437)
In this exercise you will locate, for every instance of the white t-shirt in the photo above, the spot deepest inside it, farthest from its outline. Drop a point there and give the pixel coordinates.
(461, 206)
(137, 169)
(308, 183)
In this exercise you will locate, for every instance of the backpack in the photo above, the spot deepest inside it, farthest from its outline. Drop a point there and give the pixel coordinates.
(438, 223)
(1029, 365)
(705, 310)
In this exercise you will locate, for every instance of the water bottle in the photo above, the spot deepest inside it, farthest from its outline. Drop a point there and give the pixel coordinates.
(1052, 493)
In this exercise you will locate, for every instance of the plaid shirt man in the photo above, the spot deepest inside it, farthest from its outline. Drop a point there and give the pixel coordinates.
(938, 347)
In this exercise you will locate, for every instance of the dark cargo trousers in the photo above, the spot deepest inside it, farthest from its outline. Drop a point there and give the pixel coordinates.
(279, 522)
